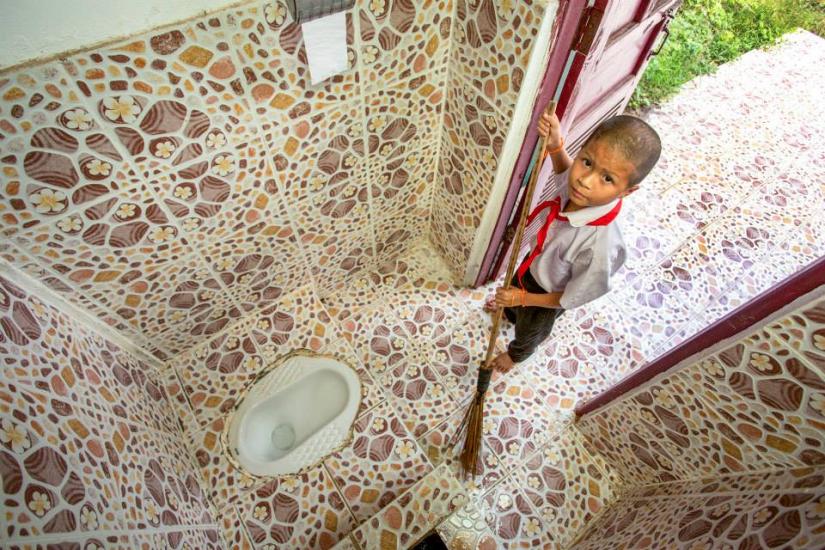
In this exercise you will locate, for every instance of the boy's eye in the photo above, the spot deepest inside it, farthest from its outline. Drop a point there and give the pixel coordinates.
(586, 162)
(608, 179)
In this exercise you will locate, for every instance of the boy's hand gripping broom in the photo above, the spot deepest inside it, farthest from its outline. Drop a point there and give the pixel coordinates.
(473, 419)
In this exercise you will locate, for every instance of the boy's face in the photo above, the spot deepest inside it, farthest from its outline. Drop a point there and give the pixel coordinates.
(600, 174)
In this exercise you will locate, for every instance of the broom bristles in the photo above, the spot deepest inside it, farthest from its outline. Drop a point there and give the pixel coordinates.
(471, 427)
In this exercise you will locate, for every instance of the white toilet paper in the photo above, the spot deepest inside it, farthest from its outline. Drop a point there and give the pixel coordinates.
(326, 43)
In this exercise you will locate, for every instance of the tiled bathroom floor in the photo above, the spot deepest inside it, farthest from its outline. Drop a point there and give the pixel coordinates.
(735, 206)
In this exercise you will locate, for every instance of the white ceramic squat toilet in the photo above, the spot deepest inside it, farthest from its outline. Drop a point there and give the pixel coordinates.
(294, 415)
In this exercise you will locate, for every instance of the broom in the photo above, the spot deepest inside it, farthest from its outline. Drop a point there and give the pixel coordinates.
(472, 423)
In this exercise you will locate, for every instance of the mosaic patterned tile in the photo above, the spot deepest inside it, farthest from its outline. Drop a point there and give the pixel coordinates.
(271, 49)
(230, 188)
(413, 514)
(226, 483)
(160, 492)
(565, 485)
(382, 462)
(770, 396)
(511, 517)
(776, 481)
(419, 268)
(698, 440)
(337, 258)
(418, 394)
(399, 187)
(614, 434)
(92, 542)
(257, 269)
(235, 357)
(466, 528)
(441, 447)
(472, 139)
(162, 294)
(378, 338)
(191, 63)
(91, 373)
(648, 237)
(304, 511)
(393, 235)
(55, 467)
(401, 39)
(405, 117)
(235, 534)
(55, 158)
(653, 308)
(457, 353)
(174, 540)
(517, 421)
(574, 361)
(804, 332)
(492, 44)
(732, 521)
(639, 524)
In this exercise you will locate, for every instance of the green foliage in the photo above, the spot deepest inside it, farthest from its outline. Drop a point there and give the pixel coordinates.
(707, 33)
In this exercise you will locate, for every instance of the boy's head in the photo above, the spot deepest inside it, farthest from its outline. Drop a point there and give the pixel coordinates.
(618, 155)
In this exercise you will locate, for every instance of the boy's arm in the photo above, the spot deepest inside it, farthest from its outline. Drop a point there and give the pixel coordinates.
(550, 127)
(543, 300)
(512, 297)
(561, 160)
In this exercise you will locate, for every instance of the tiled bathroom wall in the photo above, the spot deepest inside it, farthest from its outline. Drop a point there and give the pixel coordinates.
(777, 509)
(176, 181)
(732, 445)
(491, 47)
(91, 450)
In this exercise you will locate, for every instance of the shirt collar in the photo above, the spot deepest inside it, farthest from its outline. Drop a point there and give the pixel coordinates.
(584, 216)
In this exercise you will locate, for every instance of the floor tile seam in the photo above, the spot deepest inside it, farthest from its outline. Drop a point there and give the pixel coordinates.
(232, 508)
(182, 234)
(80, 536)
(180, 357)
(328, 472)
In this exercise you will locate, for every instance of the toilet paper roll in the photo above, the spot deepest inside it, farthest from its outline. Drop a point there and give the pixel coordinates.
(326, 44)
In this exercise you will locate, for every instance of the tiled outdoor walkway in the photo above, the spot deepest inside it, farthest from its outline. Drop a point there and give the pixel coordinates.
(735, 205)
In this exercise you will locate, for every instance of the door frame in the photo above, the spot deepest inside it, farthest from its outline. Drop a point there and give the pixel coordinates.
(575, 37)
(564, 30)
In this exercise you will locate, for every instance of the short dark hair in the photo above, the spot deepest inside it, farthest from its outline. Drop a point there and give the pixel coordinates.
(635, 138)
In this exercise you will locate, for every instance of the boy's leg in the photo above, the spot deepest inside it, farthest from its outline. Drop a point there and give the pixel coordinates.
(533, 326)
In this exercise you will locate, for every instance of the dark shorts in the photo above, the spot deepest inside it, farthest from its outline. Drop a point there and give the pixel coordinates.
(533, 324)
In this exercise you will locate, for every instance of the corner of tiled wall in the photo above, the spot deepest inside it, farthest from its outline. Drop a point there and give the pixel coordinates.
(735, 435)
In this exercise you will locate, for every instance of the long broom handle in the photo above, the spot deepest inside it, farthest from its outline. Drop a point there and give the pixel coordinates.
(511, 265)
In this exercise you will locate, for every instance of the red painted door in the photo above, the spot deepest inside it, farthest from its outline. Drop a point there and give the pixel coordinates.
(593, 73)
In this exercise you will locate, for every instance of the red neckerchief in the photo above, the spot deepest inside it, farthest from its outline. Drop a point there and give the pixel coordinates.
(555, 214)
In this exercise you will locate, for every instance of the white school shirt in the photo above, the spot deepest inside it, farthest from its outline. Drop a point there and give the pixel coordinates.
(577, 258)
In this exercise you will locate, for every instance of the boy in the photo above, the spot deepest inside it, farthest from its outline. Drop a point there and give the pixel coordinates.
(579, 246)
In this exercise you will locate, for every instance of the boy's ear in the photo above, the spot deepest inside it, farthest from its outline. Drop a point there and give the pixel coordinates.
(629, 190)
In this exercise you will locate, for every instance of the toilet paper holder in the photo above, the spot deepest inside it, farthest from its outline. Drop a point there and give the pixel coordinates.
(307, 10)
